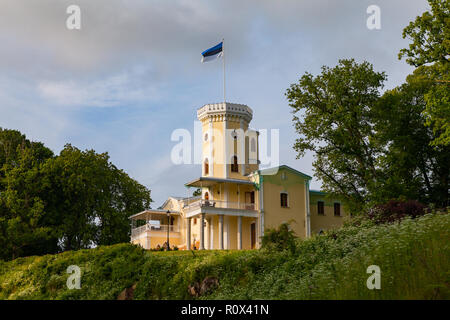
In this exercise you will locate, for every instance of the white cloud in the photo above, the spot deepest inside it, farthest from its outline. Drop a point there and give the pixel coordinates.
(141, 59)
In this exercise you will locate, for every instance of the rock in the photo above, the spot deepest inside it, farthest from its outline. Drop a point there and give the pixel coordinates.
(207, 285)
(127, 293)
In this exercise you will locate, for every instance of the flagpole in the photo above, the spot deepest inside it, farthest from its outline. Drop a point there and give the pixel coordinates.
(223, 56)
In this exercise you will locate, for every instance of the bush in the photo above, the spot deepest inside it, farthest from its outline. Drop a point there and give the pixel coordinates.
(279, 239)
(396, 210)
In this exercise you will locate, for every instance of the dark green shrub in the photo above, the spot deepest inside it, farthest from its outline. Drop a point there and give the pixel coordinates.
(282, 238)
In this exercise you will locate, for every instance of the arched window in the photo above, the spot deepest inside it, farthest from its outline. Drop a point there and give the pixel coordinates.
(206, 166)
(206, 195)
(253, 145)
(234, 164)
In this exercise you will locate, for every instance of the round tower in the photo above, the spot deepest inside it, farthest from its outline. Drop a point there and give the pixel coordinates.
(230, 148)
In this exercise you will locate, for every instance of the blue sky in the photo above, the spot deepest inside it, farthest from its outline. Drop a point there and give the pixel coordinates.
(132, 74)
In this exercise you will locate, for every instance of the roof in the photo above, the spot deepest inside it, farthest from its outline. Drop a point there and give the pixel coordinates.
(209, 181)
(145, 213)
(178, 199)
(318, 192)
(271, 170)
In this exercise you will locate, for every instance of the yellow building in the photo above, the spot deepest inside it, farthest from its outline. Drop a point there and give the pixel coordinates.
(238, 201)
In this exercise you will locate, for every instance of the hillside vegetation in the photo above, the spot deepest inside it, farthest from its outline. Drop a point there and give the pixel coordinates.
(413, 256)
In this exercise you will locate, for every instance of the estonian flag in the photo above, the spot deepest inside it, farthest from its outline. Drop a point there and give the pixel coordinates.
(212, 53)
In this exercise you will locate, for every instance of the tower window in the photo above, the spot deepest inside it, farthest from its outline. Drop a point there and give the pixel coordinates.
(234, 164)
(284, 199)
(253, 145)
(206, 167)
(337, 209)
(320, 208)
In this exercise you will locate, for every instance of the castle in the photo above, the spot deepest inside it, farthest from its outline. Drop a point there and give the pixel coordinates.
(238, 201)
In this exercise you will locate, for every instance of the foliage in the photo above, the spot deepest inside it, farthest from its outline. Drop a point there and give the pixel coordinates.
(281, 238)
(395, 210)
(430, 35)
(337, 126)
(413, 256)
(49, 203)
(411, 167)
(429, 49)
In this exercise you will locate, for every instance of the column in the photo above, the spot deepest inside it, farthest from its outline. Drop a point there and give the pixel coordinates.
(208, 232)
(221, 232)
(188, 234)
(239, 233)
(202, 232)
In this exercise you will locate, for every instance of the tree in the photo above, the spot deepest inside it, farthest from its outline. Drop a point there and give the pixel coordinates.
(370, 149)
(412, 168)
(336, 125)
(429, 50)
(49, 203)
(89, 200)
(430, 36)
(21, 208)
(197, 192)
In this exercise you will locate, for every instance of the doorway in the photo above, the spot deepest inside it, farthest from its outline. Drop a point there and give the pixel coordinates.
(253, 235)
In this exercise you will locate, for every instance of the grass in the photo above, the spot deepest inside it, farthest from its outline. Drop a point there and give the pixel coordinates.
(413, 257)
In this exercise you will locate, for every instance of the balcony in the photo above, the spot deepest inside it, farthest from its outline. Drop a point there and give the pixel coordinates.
(151, 230)
(220, 207)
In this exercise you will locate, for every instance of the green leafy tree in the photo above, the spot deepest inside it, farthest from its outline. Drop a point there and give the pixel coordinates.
(412, 168)
(430, 51)
(21, 208)
(89, 200)
(332, 115)
(197, 192)
(49, 203)
(430, 35)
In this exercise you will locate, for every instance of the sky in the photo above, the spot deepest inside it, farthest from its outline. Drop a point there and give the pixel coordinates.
(132, 74)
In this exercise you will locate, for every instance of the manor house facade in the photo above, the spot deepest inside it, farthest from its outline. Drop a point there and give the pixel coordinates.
(238, 201)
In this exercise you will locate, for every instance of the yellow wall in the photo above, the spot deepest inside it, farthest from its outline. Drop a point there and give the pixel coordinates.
(274, 214)
(328, 220)
(238, 147)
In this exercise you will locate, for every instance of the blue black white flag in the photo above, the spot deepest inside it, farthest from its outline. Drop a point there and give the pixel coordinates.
(212, 53)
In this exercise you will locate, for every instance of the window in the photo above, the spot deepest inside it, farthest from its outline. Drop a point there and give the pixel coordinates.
(206, 136)
(337, 209)
(283, 176)
(253, 145)
(206, 166)
(234, 164)
(284, 199)
(320, 207)
(195, 220)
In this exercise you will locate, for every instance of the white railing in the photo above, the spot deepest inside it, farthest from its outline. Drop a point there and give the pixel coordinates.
(163, 227)
(220, 204)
